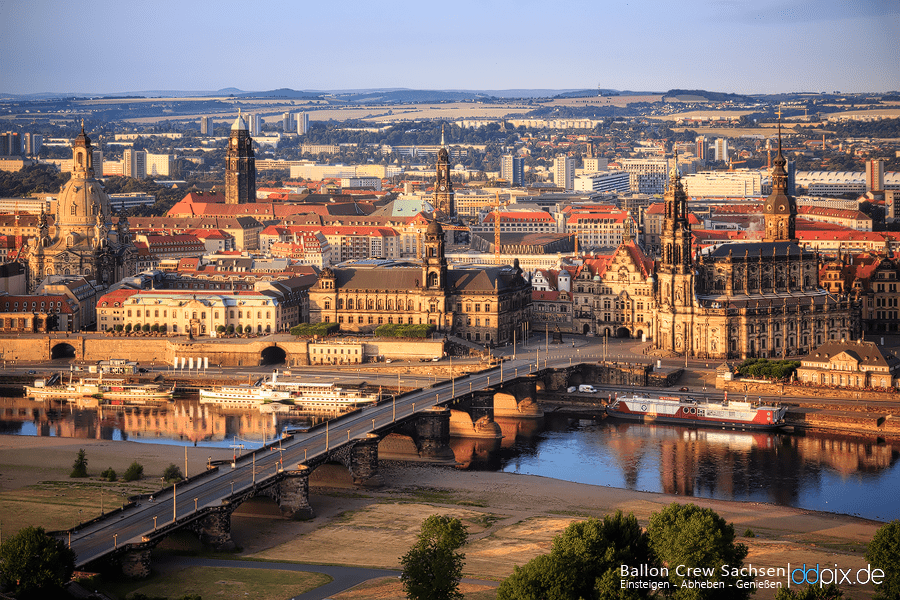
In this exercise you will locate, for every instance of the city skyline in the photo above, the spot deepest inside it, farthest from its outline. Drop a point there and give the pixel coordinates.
(724, 46)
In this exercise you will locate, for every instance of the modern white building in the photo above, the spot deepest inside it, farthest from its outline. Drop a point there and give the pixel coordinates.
(302, 123)
(733, 184)
(159, 165)
(603, 181)
(721, 150)
(647, 175)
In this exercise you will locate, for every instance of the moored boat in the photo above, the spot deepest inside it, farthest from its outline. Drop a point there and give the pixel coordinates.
(686, 411)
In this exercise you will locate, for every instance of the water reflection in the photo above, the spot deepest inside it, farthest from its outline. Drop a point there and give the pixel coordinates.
(855, 475)
(824, 471)
(178, 422)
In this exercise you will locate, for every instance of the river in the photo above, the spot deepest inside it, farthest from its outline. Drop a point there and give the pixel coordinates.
(849, 474)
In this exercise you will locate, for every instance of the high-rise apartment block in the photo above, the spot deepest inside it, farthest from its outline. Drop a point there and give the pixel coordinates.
(254, 123)
(33, 143)
(595, 165)
(564, 172)
(287, 122)
(10, 143)
(721, 150)
(512, 169)
(647, 175)
(135, 163)
(702, 148)
(206, 126)
(874, 175)
(160, 165)
(302, 123)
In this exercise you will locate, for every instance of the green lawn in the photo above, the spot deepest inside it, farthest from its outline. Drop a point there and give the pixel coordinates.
(221, 582)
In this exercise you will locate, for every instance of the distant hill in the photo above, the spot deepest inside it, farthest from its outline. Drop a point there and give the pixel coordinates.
(704, 96)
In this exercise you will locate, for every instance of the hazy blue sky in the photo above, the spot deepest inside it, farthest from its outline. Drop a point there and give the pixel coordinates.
(721, 45)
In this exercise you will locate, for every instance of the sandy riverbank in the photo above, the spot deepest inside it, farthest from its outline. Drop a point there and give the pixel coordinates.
(511, 518)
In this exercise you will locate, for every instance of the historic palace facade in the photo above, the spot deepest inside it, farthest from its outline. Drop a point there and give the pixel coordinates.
(482, 304)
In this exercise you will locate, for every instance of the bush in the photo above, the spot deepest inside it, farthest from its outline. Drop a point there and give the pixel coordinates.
(128, 328)
(248, 329)
(154, 328)
(230, 329)
(109, 474)
(119, 328)
(146, 328)
(79, 468)
(163, 328)
(134, 472)
(220, 329)
(749, 533)
(311, 329)
(399, 330)
(172, 473)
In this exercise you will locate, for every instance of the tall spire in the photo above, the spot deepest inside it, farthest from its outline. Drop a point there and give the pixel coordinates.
(780, 209)
(442, 136)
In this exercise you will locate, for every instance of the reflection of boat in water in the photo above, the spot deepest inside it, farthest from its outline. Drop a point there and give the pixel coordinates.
(109, 389)
(685, 411)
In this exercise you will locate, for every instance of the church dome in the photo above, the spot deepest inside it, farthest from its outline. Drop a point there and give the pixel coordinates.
(434, 227)
(80, 202)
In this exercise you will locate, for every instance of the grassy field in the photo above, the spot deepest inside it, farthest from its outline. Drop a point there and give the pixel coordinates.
(220, 582)
(391, 588)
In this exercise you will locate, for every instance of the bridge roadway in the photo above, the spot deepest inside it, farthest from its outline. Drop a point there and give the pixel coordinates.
(189, 501)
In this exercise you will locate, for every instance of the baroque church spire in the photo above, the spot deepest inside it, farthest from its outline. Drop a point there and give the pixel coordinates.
(780, 209)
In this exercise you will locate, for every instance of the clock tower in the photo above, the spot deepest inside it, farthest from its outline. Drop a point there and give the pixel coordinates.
(240, 165)
(443, 187)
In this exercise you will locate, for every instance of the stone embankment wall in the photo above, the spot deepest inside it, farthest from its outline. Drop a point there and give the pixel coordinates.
(753, 388)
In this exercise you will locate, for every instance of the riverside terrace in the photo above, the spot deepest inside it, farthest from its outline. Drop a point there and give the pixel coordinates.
(204, 503)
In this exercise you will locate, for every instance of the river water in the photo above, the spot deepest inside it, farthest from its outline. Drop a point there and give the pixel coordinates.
(855, 475)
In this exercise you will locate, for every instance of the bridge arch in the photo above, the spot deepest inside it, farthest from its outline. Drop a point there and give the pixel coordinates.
(272, 355)
(62, 350)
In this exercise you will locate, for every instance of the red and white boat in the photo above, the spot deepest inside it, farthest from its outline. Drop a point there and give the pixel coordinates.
(686, 411)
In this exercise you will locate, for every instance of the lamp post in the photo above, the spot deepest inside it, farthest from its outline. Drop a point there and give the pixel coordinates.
(154, 523)
(174, 502)
(232, 488)
(115, 540)
(195, 504)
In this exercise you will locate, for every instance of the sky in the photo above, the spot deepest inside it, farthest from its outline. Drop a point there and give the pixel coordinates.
(736, 46)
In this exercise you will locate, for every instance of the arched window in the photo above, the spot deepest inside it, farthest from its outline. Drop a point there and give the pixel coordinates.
(74, 209)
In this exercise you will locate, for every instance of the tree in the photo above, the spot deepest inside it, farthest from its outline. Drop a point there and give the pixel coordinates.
(432, 568)
(109, 474)
(135, 471)
(884, 553)
(79, 467)
(584, 562)
(685, 534)
(34, 562)
(172, 473)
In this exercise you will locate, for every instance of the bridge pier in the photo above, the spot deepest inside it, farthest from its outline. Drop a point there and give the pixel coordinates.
(433, 434)
(293, 494)
(214, 529)
(364, 462)
(136, 563)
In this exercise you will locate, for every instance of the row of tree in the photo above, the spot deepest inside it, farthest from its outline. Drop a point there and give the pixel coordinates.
(597, 559)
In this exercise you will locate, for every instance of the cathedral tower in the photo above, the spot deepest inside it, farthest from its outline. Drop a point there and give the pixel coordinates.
(444, 198)
(780, 209)
(240, 165)
(674, 319)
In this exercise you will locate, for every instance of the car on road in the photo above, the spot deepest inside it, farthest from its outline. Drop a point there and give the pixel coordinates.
(143, 370)
(684, 389)
(389, 361)
(32, 372)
